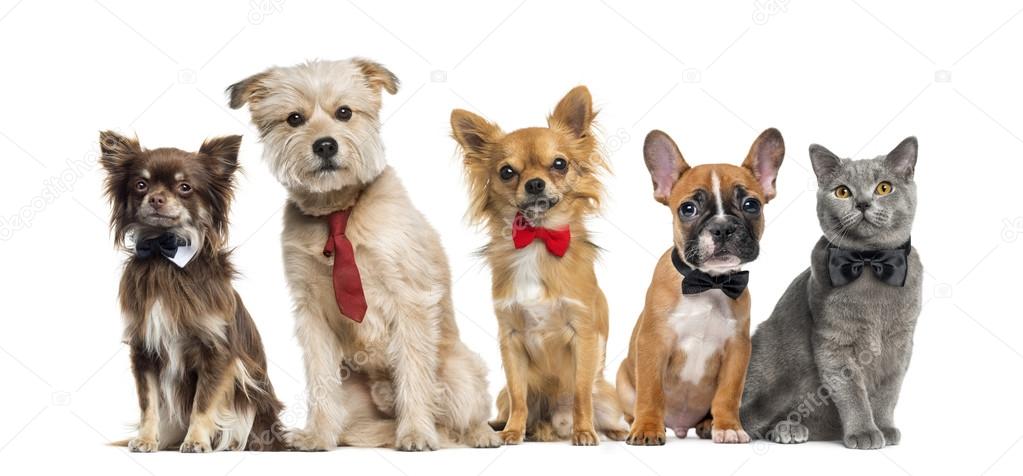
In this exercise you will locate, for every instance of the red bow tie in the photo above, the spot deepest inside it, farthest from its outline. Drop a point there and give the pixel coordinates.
(351, 299)
(523, 234)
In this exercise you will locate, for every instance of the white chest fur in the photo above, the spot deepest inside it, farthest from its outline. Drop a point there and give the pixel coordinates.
(703, 323)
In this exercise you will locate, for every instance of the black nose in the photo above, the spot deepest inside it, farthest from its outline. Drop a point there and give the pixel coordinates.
(535, 186)
(325, 147)
(862, 206)
(722, 230)
(157, 201)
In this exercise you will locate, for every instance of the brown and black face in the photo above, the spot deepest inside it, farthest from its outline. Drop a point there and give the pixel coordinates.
(549, 174)
(717, 208)
(167, 189)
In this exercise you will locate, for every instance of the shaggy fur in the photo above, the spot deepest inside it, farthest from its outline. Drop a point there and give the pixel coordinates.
(196, 355)
(402, 377)
(552, 315)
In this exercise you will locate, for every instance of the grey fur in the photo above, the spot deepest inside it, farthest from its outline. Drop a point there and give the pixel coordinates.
(829, 362)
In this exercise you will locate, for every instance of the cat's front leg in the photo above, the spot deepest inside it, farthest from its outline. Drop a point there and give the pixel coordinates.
(844, 380)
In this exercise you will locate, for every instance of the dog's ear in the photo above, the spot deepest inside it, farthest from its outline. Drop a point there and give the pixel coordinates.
(117, 151)
(665, 163)
(764, 160)
(824, 162)
(248, 90)
(902, 159)
(377, 75)
(220, 155)
(574, 112)
(474, 133)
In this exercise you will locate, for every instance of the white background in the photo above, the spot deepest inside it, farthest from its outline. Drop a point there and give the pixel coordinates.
(856, 76)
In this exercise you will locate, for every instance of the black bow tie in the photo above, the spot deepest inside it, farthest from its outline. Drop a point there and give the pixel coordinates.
(166, 244)
(697, 281)
(888, 266)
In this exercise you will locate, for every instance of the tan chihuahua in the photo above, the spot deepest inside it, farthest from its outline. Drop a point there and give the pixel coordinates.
(690, 348)
(533, 188)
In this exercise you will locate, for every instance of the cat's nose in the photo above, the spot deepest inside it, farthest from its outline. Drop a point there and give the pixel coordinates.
(861, 206)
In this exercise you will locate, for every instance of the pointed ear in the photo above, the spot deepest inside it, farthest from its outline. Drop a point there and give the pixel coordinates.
(220, 154)
(902, 159)
(248, 90)
(474, 133)
(764, 160)
(574, 111)
(665, 163)
(825, 163)
(378, 76)
(117, 151)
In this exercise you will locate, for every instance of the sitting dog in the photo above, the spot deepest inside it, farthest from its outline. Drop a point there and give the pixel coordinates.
(198, 361)
(689, 350)
(533, 189)
(369, 279)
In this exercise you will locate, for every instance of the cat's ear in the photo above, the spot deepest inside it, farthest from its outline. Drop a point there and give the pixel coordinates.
(825, 163)
(665, 163)
(764, 160)
(902, 159)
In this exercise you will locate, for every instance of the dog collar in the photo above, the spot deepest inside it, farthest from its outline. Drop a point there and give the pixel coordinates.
(695, 281)
(888, 266)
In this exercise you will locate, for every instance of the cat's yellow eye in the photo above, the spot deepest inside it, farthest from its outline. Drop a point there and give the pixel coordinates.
(843, 192)
(884, 188)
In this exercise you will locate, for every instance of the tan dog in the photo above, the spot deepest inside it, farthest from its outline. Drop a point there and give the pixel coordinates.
(690, 348)
(533, 189)
(401, 377)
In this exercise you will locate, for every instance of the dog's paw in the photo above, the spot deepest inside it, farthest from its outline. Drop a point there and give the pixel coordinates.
(892, 435)
(143, 445)
(308, 440)
(417, 441)
(704, 428)
(616, 435)
(383, 396)
(485, 438)
(789, 433)
(645, 435)
(585, 437)
(870, 439)
(729, 435)
(562, 423)
(195, 446)
(512, 437)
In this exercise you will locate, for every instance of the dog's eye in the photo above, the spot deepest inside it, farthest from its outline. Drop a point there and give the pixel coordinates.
(559, 164)
(141, 186)
(343, 114)
(295, 119)
(507, 172)
(687, 210)
(751, 206)
(184, 189)
(843, 192)
(884, 188)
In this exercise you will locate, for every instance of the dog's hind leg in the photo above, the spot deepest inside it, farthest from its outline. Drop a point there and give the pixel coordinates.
(464, 404)
(608, 412)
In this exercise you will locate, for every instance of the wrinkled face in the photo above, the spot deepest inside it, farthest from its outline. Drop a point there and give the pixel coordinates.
(169, 189)
(548, 174)
(869, 203)
(319, 121)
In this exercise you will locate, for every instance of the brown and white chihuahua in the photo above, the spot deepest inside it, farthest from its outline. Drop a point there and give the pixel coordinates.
(533, 189)
(196, 355)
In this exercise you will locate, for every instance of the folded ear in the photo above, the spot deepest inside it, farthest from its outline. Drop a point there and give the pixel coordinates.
(378, 76)
(474, 133)
(902, 159)
(574, 111)
(248, 89)
(825, 163)
(665, 163)
(117, 151)
(220, 154)
(764, 160)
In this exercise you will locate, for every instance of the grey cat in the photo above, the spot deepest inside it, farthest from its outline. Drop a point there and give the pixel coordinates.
(828, 364)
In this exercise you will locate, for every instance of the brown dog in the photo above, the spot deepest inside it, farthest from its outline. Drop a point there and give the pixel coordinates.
(690, 348)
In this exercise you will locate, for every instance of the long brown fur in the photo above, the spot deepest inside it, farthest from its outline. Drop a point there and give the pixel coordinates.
(197, 358)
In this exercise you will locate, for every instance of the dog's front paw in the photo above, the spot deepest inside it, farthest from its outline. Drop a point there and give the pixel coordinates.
(143, 445)
(417, 441)
(485, 438)
(512, 436)
(892, 435)
(309, 440)
(728, 434)
(196, 446)
(646, 435)
(869, 439)
(585, 437)
(787, 432)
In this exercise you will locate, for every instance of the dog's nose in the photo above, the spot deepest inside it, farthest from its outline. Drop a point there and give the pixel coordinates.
(722, 230)
(157, 200)
(325, 147)
(862, 206)
(535, 186)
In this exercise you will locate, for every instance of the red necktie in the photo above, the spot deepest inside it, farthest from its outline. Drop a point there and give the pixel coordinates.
(351, 299)
(556, 240)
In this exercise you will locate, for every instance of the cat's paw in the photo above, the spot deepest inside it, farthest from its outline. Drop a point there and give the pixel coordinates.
(143, 445)
(892, 435)
(788, 433)
(870, 439)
